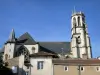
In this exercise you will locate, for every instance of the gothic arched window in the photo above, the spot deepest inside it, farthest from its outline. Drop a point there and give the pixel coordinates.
(74, 22)
(6, 56)
(23, 51)
(79, 40)
(78, 21)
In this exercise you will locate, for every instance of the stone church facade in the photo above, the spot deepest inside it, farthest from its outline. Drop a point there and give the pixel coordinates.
(28, 57)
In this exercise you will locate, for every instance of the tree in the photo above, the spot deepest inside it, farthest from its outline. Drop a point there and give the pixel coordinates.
(1, 59)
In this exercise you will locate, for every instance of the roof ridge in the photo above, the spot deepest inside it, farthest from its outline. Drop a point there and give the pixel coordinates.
(26, 33)
(53, 41)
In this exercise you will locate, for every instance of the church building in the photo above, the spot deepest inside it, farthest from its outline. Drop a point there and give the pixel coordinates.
(26, 56)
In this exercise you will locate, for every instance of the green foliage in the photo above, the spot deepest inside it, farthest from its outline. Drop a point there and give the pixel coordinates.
(1, 60)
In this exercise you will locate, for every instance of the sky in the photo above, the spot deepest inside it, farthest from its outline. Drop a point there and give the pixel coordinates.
(48, 20)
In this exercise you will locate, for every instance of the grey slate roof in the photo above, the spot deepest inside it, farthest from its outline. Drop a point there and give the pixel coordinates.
(56, 46)
(42, 49)
(43, 54)
(26, 39)
(17, 47)
(50, 47)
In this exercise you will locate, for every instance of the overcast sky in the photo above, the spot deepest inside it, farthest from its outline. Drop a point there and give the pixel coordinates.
(48, 20)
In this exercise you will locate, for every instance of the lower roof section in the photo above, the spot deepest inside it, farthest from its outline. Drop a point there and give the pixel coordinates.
(81, 62)
(57, 47)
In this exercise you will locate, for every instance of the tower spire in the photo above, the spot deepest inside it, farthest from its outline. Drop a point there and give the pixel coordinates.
(74, 10)
(12, 36)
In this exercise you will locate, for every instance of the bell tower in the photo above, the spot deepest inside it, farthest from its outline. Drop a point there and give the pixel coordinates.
(80, 40)
(10, 46)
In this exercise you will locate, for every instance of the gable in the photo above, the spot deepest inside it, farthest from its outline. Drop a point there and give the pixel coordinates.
(26, 39)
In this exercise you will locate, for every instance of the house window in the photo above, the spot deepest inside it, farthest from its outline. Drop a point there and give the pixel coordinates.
(81, 68)
(97, 68)
(66, 68)
(27, 73)
(40, 65)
